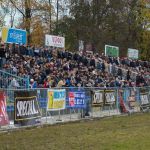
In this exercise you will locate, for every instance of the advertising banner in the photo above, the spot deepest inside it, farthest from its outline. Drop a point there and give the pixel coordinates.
(81, 45)
(11, 35)
(55, 41)
(26, 105)
(3, 112)
(122, 102)
(112, 51)
(97, 98)
(133, 105)
(110, 97)
(56, 99)
(76, 100)
(133, 53)
(144, 98)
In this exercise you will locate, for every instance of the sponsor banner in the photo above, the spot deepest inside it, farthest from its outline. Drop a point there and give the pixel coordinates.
(76, 100)
(110, 97)
(97, 98)
(144, 98)
(133, 53)
(112, 51)
(11, 35)
(56, 99)
(81, 45)
(133, 105)
(26, 105)
(55, 41)
(3, 112)
(122, 104)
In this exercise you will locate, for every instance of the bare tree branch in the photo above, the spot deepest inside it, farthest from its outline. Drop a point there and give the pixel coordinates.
(17, 7)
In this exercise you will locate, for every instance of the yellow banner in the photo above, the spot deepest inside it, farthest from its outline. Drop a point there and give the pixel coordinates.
(4, 34)
(56, 99)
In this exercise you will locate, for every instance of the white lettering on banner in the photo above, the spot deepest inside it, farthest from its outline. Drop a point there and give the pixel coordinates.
(98, 97)
(16, 36)
(25, 108)
(79, 102)
(144, 99)
(110, 97)
(3, 109)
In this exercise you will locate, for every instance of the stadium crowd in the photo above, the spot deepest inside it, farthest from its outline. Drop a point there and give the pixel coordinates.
(48, 67)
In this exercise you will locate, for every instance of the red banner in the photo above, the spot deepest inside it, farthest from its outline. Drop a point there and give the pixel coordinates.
(122, 105)
(71, 99)
(3, 112)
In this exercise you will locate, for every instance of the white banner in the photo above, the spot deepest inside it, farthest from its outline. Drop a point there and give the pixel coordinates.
(55, 41)
(144, 99)
(98, 98)
(110, 97)
(133, 53)
(81, 45)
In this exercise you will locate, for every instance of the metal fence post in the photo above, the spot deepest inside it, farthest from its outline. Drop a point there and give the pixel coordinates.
(117, 102)
(70, 113)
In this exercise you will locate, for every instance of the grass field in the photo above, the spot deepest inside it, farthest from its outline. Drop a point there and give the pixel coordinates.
(118, 133)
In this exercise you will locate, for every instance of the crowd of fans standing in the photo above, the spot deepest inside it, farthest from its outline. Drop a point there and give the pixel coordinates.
(48, 67)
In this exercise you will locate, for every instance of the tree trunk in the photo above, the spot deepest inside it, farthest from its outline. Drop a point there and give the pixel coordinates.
(28, 19)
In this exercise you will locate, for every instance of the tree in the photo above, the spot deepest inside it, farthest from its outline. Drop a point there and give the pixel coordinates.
(3, 12)
(31, 8)
(144, 20)
(37, 35)
(121, 23)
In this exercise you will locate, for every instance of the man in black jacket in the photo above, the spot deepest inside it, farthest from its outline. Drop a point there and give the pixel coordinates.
(2, 55)
(2, 51)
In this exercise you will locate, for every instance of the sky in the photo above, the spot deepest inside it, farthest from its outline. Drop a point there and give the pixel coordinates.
(61, 2)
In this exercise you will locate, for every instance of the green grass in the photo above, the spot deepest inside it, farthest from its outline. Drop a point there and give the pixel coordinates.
(118, 133)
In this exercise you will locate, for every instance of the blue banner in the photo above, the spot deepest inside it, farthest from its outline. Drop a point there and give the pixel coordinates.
(76, 100)
(17, 36)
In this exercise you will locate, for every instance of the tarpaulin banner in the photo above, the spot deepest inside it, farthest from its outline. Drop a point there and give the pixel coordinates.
(111, 51)
(26, 105)
(76, 100)
(11, 35)
(3, 112)
(81, 45)
(55, 41)
(110, 97)
(144, 97)
(122, 102)
(133, 106)
(56, 99)
(133, 53)
(97, 98)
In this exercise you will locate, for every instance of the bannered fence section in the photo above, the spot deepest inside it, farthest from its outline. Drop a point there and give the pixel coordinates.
(49, 106)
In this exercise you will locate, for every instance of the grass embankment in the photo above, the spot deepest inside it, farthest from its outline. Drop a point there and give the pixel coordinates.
(119, 133)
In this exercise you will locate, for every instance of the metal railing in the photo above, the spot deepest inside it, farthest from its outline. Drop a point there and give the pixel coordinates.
(98, 102)
(11, 80)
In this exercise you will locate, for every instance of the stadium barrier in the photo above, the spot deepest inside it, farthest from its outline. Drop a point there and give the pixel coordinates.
(10, 80)
(24, 107)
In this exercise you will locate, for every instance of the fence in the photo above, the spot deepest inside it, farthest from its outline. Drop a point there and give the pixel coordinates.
(11, 80)
(49, 106)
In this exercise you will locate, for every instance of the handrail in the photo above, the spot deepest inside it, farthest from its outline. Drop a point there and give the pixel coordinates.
(12, 75)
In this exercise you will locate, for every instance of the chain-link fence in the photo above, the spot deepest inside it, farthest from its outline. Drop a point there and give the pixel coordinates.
(50, 106)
